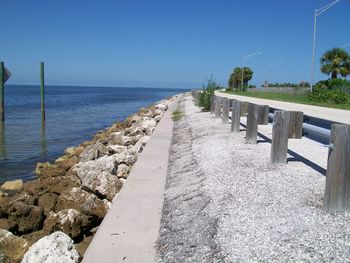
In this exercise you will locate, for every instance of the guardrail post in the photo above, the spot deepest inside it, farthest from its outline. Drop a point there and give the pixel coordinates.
(280, 134)
(263, 114)
(212, 104)
(218, 106)
(244, 110)
(225, 110)
(296, 124)
(337, 192)
(252, 124)
(236, 115)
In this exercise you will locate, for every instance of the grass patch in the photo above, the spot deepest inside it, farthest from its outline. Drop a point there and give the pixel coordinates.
(177, 115)
(301, 99)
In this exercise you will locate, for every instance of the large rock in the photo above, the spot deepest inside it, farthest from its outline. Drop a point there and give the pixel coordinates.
(93, 152)
(7, 224)
(123, 171)
(47, 202)
(125, 158)
(105, 163)
(49, 170)
(84, 202)
(113, 149)
(66, 162)
(141, 144)
(59, 184)
(34, 187)
(162, 107)
(69, 221)
(12, 247)
(15, 185)
(115, 138)
(55, 248)
(98, 176)
(148, 124)
(104, 185)
(21, 197)
(74, 151)
(27, 217)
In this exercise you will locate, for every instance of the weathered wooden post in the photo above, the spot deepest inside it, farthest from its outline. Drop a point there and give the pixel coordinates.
(217, 106)
(244, 110)
(212, 104)
(263, 114)
(225, 110)
(280, 134)
(236, 115)
(252, 124)
(296, 125)
(42, 90)
(337, 192)
(2, 92)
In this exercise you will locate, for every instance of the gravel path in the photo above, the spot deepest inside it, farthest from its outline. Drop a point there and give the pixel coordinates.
(225, 202)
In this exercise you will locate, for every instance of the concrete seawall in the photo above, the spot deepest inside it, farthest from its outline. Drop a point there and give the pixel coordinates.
(130, 229)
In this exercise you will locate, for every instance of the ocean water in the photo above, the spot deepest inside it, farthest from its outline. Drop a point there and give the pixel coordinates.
(73, 115)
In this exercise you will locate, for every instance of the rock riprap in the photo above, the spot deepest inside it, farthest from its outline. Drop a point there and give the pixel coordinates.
(73, 194)
(55, 248)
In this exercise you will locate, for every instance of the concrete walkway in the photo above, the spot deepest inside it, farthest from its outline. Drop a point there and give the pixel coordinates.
(336, 115)
(130, 229)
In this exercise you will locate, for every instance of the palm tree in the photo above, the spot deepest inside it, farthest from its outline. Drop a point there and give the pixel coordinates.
(236, 77)
(336, 61)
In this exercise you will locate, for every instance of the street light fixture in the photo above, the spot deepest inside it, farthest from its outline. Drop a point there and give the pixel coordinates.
(269, 71)
(317, 13)
(245, 58)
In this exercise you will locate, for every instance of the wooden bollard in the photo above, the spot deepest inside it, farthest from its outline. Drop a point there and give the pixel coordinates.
(263, 114)
(245, 106)
(217, 106)
(252, 124)
(225, 110)
(236, 115)
(2, 91)
(337, 192)
(212, 104)
(296, 125)
(280, 134)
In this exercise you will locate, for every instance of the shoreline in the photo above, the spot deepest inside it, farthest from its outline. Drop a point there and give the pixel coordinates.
(74, 193)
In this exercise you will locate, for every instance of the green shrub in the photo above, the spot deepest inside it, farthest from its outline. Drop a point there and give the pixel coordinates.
(207, 92)
(320, 93)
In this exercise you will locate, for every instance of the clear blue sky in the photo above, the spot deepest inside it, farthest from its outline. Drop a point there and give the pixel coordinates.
(165, 43)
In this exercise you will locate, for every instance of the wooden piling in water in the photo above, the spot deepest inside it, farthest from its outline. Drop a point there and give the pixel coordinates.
(2, 92)
(280, 132)
(337, 192)
(251, 136)
(236, 116)
(42, 90)
(225, 110)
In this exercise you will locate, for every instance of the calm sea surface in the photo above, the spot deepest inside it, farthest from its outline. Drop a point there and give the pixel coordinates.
(73, 115)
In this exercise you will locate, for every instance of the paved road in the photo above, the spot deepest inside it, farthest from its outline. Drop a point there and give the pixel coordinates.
(336, 115)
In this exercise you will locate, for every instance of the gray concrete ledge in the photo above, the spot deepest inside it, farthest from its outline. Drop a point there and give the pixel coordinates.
(130, 229)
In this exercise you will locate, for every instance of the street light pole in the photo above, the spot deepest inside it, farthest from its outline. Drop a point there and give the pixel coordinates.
(317, 13)
(244, 58)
